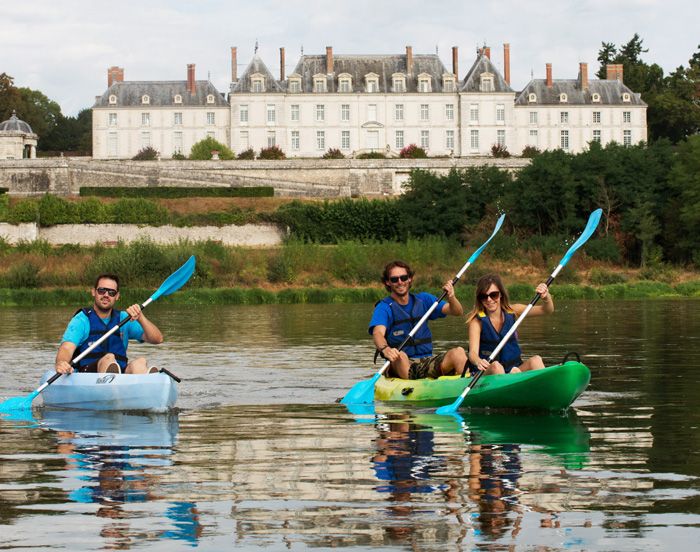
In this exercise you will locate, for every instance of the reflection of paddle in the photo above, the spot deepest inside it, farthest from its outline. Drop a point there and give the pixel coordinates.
(587, 232)
(363, 391)
(174, 282)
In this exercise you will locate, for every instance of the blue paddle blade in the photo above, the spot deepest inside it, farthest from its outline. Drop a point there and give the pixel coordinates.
(476, 253)
(362, 392)
(176, 280)
(15, 404)
(593, 221)
(450, 408)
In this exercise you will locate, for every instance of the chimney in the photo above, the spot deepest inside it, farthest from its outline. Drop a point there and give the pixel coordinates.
(487, 51)
(409, 60)
(191, 86)
(549, 75)
(234, 64)
(583, 75)
(614, 72)
(281, 64)
(329, 59)
(455, 62)
(506, 63)
(114, 74)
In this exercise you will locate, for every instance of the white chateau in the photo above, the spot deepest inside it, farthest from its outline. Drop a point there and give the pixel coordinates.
(362, 103)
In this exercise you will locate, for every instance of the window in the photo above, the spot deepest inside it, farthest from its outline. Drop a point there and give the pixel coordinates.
(425, 139)
(320, 84)
(448, 84)
(595, 98)
(534, 138)
(145, 139)
(145, 99)
(211, 118)
(501, 137)
(295, 140)
(450, 139)
(533, 117)
(626, 116)
(177, 99)
(177, 118)
(345, 112)
(372, 82)
(424, 84)
(563, 98)
(320, 140)
(145, 119)
(345, 84)
(243, 114)
(487, 82)
(112, 144)
(294, 112)
(210, 98)
(474, 140)
(372, 112)
(564, 117)
(596, 117)
(627, 137)
(243, 140)
(474, 113)
(564, 139)
(398, 84)
(294, 86)
(500, 113)
(177, 142)
(424, 112)
(398, 112)
(626, 97)
(271, 115)
(271, 139)
(320, 112)
(596, 135)
(532, 98)
(373, 139)
(112, 119)
(345, 139)
(258, 84)
(450, 112)
(399, 139)
(112, 99)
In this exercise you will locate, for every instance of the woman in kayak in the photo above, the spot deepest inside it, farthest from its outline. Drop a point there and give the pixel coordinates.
(490, 320)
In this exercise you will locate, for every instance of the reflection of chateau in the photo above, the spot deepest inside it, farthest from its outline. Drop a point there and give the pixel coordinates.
(359, 103)
(17, 139)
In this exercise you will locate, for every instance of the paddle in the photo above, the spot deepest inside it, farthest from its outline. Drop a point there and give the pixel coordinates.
(363, 391)
(174, 282)
(583, 238)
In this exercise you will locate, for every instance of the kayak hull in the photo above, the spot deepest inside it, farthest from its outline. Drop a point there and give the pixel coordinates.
(552, 388)
(91, 391)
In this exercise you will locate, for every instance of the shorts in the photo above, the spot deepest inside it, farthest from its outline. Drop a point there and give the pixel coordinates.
(426, 367)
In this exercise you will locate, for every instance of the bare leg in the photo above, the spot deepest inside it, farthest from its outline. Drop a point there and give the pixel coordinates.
(495, 368)
(400, 367)
(532, 363)
(455, 362)
(137, 366)
(108, 363)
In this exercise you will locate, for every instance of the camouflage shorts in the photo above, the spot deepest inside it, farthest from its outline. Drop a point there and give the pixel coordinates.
(428, 367)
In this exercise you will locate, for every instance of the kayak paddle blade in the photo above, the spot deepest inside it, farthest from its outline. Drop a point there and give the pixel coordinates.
(592, 224)
(15, 404)
(450, 409)
(362, 392)
(476, 253)
(176, 280)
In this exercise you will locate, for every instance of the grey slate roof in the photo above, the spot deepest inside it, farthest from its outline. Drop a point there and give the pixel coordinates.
(256, 65)
(610, 92)
(161, 93)
(13, 124)
(472, 81)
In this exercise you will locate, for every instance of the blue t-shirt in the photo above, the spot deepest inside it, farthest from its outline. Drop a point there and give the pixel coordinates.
(382, 312)
(78, 329)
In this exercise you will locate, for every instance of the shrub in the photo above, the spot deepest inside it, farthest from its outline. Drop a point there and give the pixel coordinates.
(530, 152)
(26, 210)
(498, 150)
(273, 152)
(4, 207)
(93, 211)
(412, 151)
(22, 275)
(247, 154)
(371, 155)
(604, 249)
(149, 153)
(56, 210)
(3, 190)
(178, 156)
(139, 211)
(178, 191)
(333, 153)
(602, 277)
(202, 150)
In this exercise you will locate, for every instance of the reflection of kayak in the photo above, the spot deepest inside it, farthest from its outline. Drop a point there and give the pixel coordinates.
(552, 388)
(90, 391)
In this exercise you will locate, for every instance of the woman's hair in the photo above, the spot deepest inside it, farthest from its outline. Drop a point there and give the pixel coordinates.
(482, 286)
(391, 266)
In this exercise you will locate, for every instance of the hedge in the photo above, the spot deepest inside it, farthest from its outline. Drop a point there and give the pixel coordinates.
(176, 191)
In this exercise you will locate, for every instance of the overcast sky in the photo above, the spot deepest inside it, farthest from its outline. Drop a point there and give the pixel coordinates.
(64, 47)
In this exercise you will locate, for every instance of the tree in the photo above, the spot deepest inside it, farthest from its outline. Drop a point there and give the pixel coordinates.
(202, 149)
(10, 98)
(41, 113)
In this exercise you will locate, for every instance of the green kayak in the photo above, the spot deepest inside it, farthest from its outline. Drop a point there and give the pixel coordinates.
(552, 388)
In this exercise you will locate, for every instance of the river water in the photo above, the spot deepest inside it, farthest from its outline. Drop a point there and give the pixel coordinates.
(258, 454)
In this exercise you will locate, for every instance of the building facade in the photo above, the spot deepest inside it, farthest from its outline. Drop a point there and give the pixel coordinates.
(364, 103)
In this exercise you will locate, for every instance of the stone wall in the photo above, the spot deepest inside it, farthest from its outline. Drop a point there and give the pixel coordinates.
(323, 178)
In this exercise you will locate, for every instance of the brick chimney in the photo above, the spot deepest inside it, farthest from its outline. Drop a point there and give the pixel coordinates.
(455, 62)
(487, 51)
(549, 75)
(583, 75)
(281, 64)
(329, 59)
(506, 63)
(234, 64)
(614, 71)
(409, 60)
(114, 74)
(191, 85)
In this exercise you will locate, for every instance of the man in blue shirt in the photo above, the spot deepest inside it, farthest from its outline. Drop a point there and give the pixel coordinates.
(396, 315)
(88, 325)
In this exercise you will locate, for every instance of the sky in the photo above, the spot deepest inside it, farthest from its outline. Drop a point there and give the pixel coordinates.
(64, 47)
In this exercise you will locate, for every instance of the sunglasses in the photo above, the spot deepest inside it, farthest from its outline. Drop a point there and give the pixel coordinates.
(494, 295)
(109, 291)
(395, 279)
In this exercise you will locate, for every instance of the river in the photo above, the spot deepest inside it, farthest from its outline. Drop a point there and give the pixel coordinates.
(258, 454)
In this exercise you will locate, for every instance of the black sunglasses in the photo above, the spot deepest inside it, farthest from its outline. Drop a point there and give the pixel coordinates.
(109, 291)
(494, 295)
(395, 279)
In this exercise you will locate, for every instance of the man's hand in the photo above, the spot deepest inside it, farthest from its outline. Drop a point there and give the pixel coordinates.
(391, 354)
(63, 367)
(134, 311)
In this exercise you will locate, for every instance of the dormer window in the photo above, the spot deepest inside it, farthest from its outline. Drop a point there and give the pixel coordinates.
(532, 98)
(371, 82)
(563, 98)
(294, 84)
(320, 83)
(257, 83)
(210, 98)
(177, 99)
(112, 99)
(626, 97)
(424, 83)
(595, 98)
(487, 82)
(448, 83)
(398, 82)
(344, 82)
(145, 99)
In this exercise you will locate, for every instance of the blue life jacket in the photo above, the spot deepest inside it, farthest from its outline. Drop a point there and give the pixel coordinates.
(421, 344)
(113, 344)
(509, 355)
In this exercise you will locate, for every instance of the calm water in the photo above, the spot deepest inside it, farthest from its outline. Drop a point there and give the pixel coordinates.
(259, 456)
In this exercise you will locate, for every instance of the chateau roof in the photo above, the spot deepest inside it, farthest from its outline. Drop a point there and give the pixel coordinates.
(14, 124)
(610, 92)
(160, 93)
(472, 81)
(256, 66)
